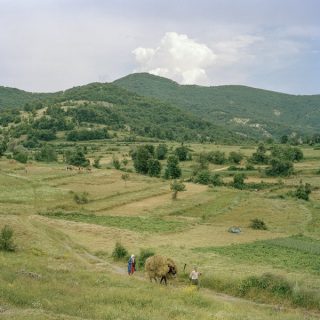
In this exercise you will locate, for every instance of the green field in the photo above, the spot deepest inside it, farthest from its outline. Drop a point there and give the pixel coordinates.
(63, 268)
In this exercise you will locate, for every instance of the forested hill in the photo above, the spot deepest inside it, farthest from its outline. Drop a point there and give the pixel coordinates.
(248, 110)
(103, 104)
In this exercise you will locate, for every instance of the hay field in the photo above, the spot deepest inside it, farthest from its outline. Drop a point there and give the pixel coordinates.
(63, 267)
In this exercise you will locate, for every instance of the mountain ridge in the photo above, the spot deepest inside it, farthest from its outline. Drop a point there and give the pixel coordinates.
(246, 111)
(274, 112)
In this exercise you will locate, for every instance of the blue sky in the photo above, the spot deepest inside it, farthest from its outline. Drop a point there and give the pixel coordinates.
(49, 45)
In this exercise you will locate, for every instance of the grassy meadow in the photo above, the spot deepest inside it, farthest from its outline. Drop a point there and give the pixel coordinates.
(63, 269)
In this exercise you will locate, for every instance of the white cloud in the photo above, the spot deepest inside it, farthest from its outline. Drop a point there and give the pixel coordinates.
(177, 57)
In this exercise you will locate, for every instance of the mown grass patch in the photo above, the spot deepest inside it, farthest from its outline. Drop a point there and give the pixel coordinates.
(292, 253)
(136, 223)
(218, 203)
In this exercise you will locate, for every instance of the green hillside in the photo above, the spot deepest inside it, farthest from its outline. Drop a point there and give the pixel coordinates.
(109, 105)
(248, 110)
(15, 98)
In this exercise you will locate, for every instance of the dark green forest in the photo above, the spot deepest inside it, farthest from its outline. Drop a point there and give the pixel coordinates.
(254, 112)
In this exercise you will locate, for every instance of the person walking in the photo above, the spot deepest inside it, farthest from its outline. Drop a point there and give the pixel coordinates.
(194, 277)
(131, 265)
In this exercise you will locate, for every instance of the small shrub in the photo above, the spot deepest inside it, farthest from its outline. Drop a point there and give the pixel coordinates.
(6, 239)
(20, 156)
(143, 256)
(258, 224)
(303, 191)
(81, 198)
(202, 177)
(235, 157)
(177, 186)
(216, 180)
(116, 163)
(238, 181)
(96, 163)
(119, 252)
(249, 166)
(267, 282)
(279, 167)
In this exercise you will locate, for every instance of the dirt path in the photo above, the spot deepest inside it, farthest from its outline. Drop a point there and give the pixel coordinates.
(220, 169)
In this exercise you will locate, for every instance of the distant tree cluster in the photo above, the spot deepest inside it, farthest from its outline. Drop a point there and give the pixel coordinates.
(57, 123)
(144, 160)
(47, 153)
(76, 158)
(86, 134)
(279, 158)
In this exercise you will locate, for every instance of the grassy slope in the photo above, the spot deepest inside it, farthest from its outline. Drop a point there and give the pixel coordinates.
(278, 112)
(63, 251)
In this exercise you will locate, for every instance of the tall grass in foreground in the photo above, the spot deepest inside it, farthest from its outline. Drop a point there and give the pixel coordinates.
(267, 288)
(67, 289)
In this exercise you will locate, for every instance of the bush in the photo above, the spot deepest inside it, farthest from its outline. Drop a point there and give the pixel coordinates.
(202, 177)
(173, 170)
(260, 155)
(47, 153)
(287, 153)
(154, 168)
(96, 162)
(77, 158)
(279, 167)
(6, 239)
(81, 198)
(235, 157)
(119, 252)
(140, 157)
(20, 156)
(177, 186)
(182, 153)
(216, 157)
(216, 180)
(161, 151)
(258, 224)
(116, 163)
(250, 167)
(273, 284)
(143, 256)
(238, 181)
(303, 191)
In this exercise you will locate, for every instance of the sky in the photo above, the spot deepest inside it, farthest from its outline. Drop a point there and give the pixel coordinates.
(51, 45)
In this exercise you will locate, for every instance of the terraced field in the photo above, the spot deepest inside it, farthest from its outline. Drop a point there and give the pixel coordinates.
(64, 248)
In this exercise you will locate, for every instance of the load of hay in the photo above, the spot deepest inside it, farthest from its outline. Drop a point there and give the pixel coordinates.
(160, 267)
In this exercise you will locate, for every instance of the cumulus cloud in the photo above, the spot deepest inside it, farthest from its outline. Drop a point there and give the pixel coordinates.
(177, 57)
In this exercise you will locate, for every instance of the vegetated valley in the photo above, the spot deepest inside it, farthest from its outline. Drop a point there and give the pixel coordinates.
(92, 174)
